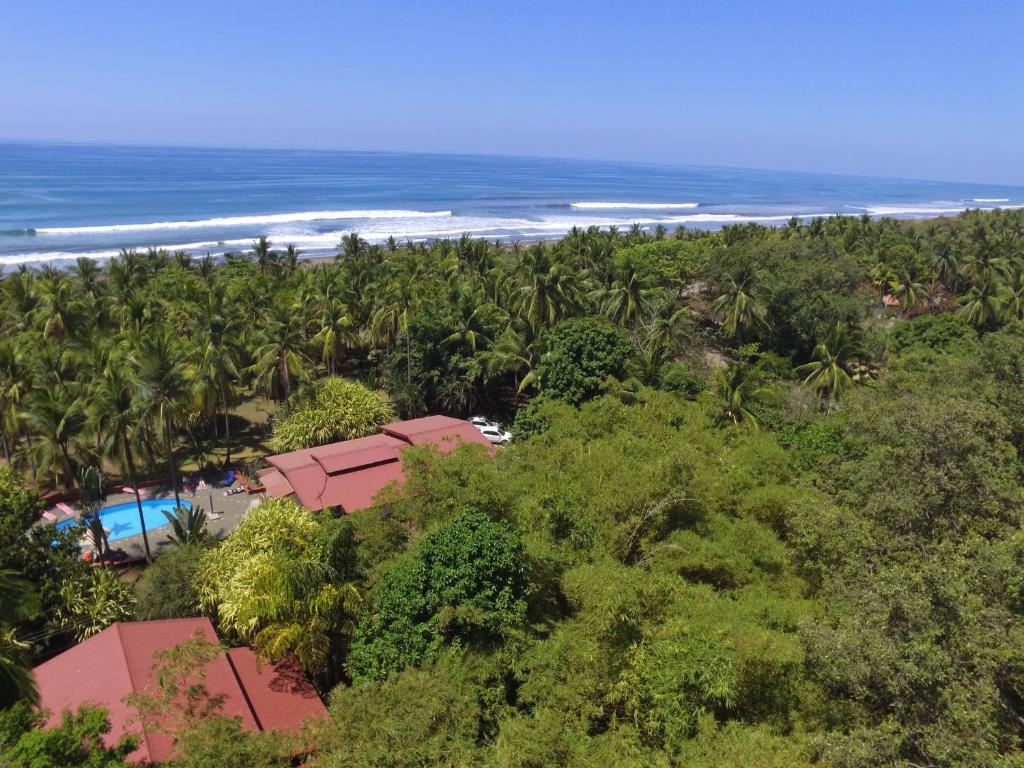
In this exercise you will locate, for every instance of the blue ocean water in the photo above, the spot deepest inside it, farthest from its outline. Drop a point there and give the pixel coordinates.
(62, 201)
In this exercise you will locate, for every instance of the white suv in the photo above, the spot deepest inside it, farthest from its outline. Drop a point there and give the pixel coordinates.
(480, 422)
(495, 435)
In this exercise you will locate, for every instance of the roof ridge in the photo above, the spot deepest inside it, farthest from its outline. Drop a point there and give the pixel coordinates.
(116, 626)
(241, 687)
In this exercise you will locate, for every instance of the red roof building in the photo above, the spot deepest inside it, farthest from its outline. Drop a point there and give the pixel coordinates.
(118, 661)
(350, 473)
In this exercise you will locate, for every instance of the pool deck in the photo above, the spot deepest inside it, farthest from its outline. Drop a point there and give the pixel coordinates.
(228, 512)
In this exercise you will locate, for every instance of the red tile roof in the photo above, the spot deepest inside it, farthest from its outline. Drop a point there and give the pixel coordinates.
(117, 661)
(349, 474)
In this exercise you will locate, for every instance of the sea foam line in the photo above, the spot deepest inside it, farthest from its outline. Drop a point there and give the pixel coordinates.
(241, 221)
(990, 199)
(598, 205)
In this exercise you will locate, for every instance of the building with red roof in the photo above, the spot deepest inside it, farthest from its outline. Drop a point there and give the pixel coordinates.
(118, 661)
(349, 474)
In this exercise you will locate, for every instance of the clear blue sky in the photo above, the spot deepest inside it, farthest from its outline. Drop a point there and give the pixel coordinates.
(898, 88)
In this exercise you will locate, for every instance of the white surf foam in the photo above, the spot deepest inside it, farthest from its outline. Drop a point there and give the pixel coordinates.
(241, 221)
(907, 210)
(990, 199)
(598, 205)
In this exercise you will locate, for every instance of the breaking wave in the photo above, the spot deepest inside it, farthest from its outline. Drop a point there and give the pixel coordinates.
(598, 205)
(243, 221)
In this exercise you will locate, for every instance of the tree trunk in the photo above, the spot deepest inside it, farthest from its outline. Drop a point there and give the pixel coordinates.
(7, 447)
(69, 471)
(408, 359)
(227, 424)
(130, 467)
(28, 451)
(171, 468)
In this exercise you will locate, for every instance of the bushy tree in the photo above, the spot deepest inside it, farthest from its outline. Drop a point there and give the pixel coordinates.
(465, 585)
(283, 582)
(168, 589)
(331, 409)
(77, 742)
(582, 354)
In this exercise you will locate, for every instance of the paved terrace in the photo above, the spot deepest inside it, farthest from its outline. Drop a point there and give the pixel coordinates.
(230, 509)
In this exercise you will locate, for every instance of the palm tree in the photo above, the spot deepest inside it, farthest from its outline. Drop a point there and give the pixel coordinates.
(737, 389)
(909, 291)
(832, 372)
(18, 601)
(114, 415)
(352, 245)
(623, 301)
(391, 318)
(474, 325)
(162, 392)
(264, 256)
(549, 289)
(55, 415)
(58, 304)
(188, 523)
(738, 305)
(1012, 300)
(214, 367)
(281, 358)
(982, 305)
(290, 261)
(334, 331)
(91, 495)
(515, 352)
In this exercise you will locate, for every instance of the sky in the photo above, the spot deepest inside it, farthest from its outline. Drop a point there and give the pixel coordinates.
(929, 90)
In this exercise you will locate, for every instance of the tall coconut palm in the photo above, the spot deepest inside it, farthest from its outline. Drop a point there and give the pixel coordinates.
(162, 393)
(549, 289)
(113, 413)
(1012, 299)
(626, 298)
(336, 331)
(289, 261)
(213, 369)
(982, 305)
(515, 351)
(56, 416)
(281, 357)
(265, 257)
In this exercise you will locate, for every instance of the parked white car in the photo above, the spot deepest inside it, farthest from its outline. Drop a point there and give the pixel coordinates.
(480, 421)
(495, 435)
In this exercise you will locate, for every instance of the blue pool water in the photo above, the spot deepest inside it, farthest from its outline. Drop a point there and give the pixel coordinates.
(122, 520)
(61, 201)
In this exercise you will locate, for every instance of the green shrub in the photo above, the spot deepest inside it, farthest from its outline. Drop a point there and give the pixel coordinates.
(331, 409)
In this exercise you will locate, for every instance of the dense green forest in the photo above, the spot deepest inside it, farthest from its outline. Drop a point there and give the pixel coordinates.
(763, 506)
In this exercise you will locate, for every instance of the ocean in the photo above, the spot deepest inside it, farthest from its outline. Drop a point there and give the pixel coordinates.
(62, 201)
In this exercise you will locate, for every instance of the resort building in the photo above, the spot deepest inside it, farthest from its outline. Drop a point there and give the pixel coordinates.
(118, 661)
(349, 474)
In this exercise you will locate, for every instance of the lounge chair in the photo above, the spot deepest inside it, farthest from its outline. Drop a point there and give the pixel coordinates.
(49, 516)
(230, 479)
(67, 509)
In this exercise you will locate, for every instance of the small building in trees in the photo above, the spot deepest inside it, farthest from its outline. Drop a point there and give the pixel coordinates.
(349, 474)
(117, 662)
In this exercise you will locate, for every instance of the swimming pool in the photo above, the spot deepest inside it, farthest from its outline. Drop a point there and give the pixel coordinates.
(122, 520)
